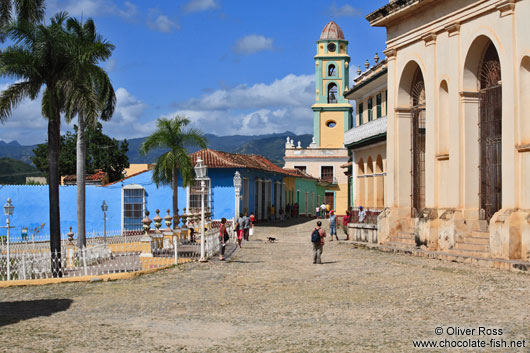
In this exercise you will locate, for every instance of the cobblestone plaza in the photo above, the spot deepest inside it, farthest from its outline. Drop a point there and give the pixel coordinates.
(269, 297)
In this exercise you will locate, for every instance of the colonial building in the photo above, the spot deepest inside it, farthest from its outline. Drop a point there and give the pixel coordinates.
(332, 116)
(367, 140)
(458, 132)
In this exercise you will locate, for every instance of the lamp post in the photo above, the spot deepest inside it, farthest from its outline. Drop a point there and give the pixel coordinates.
(104, 208)
(200, 174)
(8, 211)
(237, 186)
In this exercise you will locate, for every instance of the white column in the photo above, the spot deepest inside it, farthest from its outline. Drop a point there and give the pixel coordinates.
(259, 211)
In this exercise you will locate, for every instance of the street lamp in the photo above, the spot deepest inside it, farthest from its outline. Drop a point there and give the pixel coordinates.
(8, 211)
(200, 174)
(237, 186)
(104, 208)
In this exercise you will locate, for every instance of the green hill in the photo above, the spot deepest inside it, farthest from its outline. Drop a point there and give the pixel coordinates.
(273, 148)
(13, 171)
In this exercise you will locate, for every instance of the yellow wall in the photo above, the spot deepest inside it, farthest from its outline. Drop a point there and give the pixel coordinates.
(331, 137)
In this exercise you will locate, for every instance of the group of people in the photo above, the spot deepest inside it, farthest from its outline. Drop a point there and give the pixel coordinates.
(318, 240)
(244, 228)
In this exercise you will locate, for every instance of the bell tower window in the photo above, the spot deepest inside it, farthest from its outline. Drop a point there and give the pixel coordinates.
(332, 70)
(332, 93)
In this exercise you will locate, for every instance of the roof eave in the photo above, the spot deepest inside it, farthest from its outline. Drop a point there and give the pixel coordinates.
(391, 11)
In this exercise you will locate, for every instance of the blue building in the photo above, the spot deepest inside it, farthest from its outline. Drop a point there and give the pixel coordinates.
(263, 191)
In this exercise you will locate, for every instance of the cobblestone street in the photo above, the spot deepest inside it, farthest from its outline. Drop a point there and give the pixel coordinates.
(270, 298)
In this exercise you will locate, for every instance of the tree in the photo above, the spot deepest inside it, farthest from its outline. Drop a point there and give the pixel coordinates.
(171, 134)
(45, 55)
(22, 10)
(92, 49)
(103, 152)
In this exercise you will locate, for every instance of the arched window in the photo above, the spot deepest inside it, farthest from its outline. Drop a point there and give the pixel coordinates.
(331, 70)
(443, 118)
(332, 93)
(417, 94)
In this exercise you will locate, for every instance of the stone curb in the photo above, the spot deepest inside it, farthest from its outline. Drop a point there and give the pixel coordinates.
(91, 279)
(510, 265)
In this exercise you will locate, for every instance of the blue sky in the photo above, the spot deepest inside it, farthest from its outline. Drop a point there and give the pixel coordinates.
(231, 66)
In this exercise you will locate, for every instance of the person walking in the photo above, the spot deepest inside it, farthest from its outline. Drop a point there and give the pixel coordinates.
(323, 210)
(328, 208)
(252, 221)
(333, 225)
(246, 226)
(239, 229)
(345, 222)
(223, 238)
(317, 238)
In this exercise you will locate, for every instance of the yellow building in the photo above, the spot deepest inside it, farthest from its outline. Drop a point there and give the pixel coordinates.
(458, 137)
(332, 116)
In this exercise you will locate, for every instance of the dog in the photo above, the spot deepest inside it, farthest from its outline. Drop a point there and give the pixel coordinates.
(271, 239)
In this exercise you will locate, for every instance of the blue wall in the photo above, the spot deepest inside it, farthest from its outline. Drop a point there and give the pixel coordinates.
(31, 201)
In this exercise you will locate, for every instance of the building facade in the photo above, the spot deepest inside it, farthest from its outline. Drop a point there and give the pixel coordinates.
(367, 139)
(458, 142)
(263, 186)
(332, 116)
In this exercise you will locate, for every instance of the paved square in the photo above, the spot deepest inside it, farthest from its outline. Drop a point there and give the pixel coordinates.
(271, 298)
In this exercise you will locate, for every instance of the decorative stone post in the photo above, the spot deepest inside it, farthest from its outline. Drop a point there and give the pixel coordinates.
(168, 232)
(70, 250)
(146, 241)
(176, 219)
(184, 227)
(157, 236)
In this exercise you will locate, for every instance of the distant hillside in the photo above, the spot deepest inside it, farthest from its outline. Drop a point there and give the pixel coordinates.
(13, 171)
(271, 146)
(14, 150)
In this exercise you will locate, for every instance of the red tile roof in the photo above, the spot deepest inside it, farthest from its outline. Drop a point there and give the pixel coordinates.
(99, 175)
(219, 159)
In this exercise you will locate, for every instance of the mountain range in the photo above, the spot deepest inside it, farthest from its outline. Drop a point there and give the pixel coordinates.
(271, 146)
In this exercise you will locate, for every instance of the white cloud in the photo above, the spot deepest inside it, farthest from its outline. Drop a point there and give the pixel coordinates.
(200, 5)
(91, 8)
(291, 90)
(161, 23)
(344, 11)
(253, 43)
(126, 121)
(282, 105)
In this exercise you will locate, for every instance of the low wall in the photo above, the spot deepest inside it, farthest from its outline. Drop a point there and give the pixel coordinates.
(364, 232)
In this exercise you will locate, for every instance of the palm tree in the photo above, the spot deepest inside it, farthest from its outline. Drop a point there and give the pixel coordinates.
(22, 10)
(45, 56)
(92, 49)
(171, 134)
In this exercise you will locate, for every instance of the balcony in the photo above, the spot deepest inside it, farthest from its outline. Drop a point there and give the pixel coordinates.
(366, 132)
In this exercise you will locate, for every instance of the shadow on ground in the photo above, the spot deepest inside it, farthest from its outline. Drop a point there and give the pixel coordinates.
(286, 223)
(13, 312)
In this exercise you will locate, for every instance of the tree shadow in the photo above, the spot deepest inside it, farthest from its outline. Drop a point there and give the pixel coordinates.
(246, 262)
(285, 223)
(13, 312)
(329, 262)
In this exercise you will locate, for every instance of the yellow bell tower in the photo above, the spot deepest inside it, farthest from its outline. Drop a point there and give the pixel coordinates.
(332, 114)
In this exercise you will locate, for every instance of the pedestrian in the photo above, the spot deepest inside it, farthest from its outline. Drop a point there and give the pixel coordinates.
(323, 210)
(317, 212)
(246, 226)
(239, 229)
(223, 238)
(328, 208)
(317, 238)
(252, 221)
(362, 214)
(345, 222)
(333, 225)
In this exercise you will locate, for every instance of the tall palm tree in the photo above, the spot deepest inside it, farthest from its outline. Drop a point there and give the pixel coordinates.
(22, 10)
(45, 56)
(172, 134)
(92, 49)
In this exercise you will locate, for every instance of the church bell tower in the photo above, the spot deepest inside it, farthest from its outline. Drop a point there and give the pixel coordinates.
(332, 114)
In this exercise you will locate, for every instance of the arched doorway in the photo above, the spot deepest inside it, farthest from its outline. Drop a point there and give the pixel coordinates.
(417, 94)
(490, 124)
